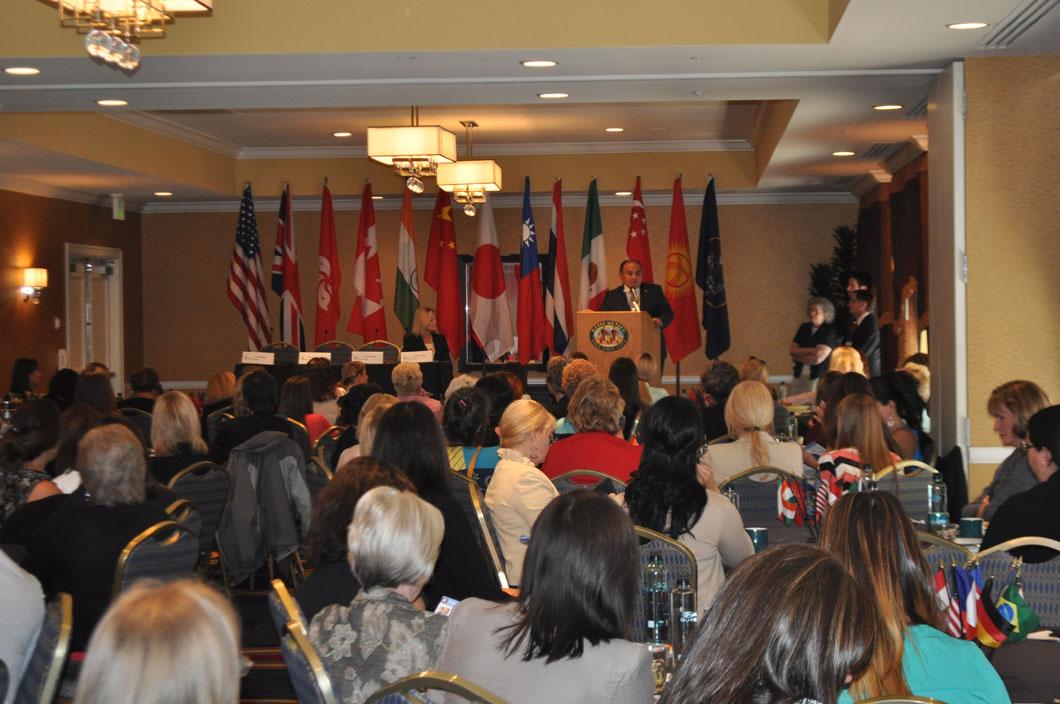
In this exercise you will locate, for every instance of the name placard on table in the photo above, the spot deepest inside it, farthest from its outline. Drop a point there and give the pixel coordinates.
(307, 357)
(421, 356)
(267, 358)
(366, 356)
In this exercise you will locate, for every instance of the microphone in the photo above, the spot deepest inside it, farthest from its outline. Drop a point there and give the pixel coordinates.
(634, 294)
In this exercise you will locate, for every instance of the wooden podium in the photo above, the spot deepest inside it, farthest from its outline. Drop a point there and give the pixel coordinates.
(605, 335)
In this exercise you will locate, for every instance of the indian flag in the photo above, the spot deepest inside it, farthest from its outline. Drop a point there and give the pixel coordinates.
(406, 285)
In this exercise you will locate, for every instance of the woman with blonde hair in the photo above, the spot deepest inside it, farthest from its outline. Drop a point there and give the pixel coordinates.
(846, 359)
(648, 371)
(160, 643)
(519, 491)
(749, 418)
(176, 436)
(372, 410)
(424, 336)
(860, 441)
(869, 533)
(755, 369)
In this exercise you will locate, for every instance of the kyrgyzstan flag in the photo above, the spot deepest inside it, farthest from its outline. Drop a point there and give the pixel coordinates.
(443, 273)
(593, 284)
(682, 336)
(637, 246)
(329, 275)
(531, 302)
(559, 315)
(491, 321)
(368, 318)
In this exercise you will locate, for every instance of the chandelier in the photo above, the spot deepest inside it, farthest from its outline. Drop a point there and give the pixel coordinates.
(469, 181)
(113, 28)
(415, 151)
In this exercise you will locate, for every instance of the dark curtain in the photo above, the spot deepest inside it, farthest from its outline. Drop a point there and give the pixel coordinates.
(870, 241)
(907, 242)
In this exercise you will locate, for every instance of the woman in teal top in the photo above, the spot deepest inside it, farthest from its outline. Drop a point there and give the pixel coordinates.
(870, 534)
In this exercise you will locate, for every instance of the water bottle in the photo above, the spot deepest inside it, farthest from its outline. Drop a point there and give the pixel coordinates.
(938, 507)
(868, 479)
(657, 602)
(733, 498)
(683, 608)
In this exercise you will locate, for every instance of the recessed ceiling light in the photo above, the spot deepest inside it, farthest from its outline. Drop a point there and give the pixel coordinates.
(342, 134)
(21, 71)
(377, 197)
(623, 193)
(163, 194)
(538, 63)
(111, 103)
(843, 153)
(615, 129)
(888, 106)
(553, 96)
(967, 25)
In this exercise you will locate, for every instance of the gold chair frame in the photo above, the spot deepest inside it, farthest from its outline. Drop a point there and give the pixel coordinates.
(649, 534)
(933, 539)
(300, 641)
(589, 473)
(761, 469)
(494, 555)
(442, 681)
(58, 659)
(190, 469)
(1027, 541)
(148, 533)
(319, 462)
(905, 465)
(901, 699)
(719, 439)
(294, 614)
(319, 442)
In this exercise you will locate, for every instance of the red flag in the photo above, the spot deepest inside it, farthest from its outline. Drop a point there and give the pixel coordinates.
(637, 246)
(531, 315)
(443, 273)
(367, 317)
(329, 275)
(683, 335)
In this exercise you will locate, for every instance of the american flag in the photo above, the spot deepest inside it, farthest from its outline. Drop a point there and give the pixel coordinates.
(245, 287)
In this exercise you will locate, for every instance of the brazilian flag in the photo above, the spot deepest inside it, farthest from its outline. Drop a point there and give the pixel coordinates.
(1014, 609)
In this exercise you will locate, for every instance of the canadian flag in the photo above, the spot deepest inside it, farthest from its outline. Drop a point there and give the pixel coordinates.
(368, 318)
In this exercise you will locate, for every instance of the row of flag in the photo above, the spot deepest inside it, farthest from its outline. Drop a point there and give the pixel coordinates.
(972, 613)
(545, 314)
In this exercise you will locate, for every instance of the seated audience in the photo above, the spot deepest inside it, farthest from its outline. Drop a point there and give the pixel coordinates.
(372, 410)
(565, 639)
(465, 421)
(623, 374)
(847, 385)
(354, 373)
(595, 412)
(755, 648)
(407, 379)
(424, 336)
(461, 381)
(816, 434)
(1035, 511)
(516, 379)
(160, 643)
(859, 443)
(500, 393)
(381, 635)
(75, 422)
(146, 387)
(648, 373)
(76, 550)
(519, 491)
(61, 388)
(332, 581)
(715, 386)
(219, 392)
(350, 405)
(749, 418)
(667, 495)
(871, 535)
(554, 385)
(1012, 404)
(576, 371)
(409, 438)
(258, 393)
(25, 378)
(27, 445)
(846, 359)
(296, 403)
(902, 412)
(21, 612)
(754, 369)
(94, 389)
(176, 436)
(325, 391)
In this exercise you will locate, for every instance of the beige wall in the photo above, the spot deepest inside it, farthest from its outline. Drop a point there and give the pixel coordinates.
(1012, 237)
(191, 330)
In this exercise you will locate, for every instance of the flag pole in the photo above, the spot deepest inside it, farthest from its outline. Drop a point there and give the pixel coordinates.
(677, 367)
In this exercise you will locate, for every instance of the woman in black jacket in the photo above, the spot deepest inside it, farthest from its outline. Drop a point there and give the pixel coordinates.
(424, 336)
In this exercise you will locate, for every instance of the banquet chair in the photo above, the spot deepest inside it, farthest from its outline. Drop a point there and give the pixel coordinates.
(141, 420)
(719, 440)
(908, 481)
(311, 681)
(324, 446)
(902, 699)
(391, 352)
(679, 564)
(568, 481)
(205, 485)
(284, 609)
(758, 499)
(317, 476)
(300, 434)
(939, 551)
(334, 345)
(40, 679)
(478, 515)
(413, 690)
(1041, 580)
(214, 420)
(187, 515)
(279, 347)
(165, 551)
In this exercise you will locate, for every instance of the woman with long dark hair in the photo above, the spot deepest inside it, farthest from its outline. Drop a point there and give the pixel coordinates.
(624, 375)
(94, 389)
(902, 411)
(860, 441)
(564, 640)
(408, 437)
(25, 377)
(869, 533)
(666, 494)
(296, 402)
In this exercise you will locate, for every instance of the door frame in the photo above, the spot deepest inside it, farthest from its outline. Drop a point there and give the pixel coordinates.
(116, 305)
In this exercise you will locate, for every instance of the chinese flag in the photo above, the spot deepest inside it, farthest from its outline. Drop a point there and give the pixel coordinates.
(443, 273)
(682, 336)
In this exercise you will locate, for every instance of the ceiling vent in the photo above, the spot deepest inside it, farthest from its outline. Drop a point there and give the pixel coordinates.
(919, 110)
(1025, 16)
(881, 150)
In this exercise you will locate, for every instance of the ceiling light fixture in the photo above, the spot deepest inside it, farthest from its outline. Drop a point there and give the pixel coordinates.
(415, 151)
(967, 25)
(113, 28)
(470, 180)
(163, 194)
(109, 103)
(377, 197)
(341, 134)
(553, 96)
(615, 129)
(538, 63)
(843, 153)
(888, 106)
(21, 71)
(623, 193)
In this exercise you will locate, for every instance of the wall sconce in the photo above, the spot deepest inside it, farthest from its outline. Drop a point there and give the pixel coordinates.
(33, 280)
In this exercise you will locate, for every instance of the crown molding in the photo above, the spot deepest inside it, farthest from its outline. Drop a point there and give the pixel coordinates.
(30, 187)
(154, 123)
(911, 149)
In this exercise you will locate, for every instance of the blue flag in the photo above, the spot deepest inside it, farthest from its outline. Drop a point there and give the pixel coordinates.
(531, 311)
(710, 278)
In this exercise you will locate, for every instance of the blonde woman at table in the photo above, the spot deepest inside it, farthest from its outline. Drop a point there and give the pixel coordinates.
(749, 417)
(871, 535)
(565, 640)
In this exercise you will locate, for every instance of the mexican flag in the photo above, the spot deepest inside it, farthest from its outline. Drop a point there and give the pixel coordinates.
(593, 286)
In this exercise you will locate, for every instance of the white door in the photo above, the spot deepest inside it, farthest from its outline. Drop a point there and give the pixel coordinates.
(94, 330)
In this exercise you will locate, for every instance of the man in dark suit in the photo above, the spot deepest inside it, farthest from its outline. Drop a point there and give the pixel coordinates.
(864, 334)
(633, 294)
(260, 395)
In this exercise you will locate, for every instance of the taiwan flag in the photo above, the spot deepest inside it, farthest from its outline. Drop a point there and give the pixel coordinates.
(531, 317)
